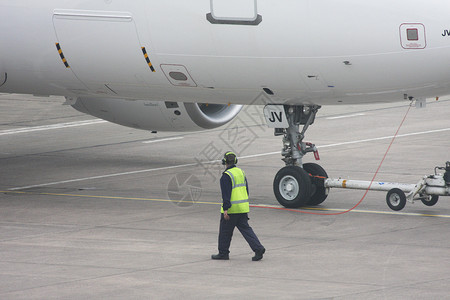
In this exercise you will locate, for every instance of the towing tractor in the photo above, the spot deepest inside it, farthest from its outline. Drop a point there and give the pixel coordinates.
(428, 189)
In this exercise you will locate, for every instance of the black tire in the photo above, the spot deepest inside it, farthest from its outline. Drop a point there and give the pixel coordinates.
(430, 202)
(318, 191)
(396, 199)
(292, 187)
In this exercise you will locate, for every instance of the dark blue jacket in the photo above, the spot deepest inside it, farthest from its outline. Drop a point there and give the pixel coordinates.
(226, 186)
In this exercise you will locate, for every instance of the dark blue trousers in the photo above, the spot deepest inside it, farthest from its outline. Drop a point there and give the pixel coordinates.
(226, 232)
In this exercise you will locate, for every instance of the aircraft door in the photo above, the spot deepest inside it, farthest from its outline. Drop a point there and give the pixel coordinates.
(101, 48)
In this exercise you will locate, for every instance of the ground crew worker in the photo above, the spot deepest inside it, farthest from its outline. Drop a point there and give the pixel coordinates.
(235, 207)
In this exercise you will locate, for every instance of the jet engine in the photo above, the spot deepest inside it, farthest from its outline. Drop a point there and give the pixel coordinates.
(157, 115)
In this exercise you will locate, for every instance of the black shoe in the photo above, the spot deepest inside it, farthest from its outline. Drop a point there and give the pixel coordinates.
(220, 256)
(259, 254)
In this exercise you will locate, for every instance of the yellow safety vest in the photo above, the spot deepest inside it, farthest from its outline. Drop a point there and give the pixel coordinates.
(239, 195)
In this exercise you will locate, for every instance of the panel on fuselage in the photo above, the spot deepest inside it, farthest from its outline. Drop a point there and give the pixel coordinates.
(102, 48)
(413, 36)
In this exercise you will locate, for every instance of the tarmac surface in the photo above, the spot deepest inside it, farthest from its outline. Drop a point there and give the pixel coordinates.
(93, 210)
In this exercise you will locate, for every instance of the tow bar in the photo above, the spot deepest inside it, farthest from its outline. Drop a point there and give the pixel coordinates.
(427, 190)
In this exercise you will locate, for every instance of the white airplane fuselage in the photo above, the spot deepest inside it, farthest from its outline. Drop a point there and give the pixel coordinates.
(227, 51)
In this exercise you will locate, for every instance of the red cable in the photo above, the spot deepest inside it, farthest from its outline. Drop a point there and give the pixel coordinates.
(365, 194)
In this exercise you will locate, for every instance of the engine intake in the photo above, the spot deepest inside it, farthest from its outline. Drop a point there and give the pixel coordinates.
(210, 116)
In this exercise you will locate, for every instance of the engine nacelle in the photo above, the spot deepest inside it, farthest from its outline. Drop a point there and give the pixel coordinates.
(157, 116)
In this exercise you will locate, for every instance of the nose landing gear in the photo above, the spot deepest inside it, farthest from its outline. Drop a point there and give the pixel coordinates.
(297, 184)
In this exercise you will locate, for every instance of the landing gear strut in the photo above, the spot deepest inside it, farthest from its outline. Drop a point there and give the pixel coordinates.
(297, 184)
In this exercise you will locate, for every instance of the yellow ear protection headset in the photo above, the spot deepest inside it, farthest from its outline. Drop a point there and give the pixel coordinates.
(230, 158)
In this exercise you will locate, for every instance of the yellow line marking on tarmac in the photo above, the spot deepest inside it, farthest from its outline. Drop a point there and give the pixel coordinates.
(217, 203)
(384, 212)
(106, 197)
(357, 211)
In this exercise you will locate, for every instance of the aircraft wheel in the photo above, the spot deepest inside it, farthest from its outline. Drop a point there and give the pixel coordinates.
(318, 192)
(396, 199)
(292, 187)
(430, 201)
